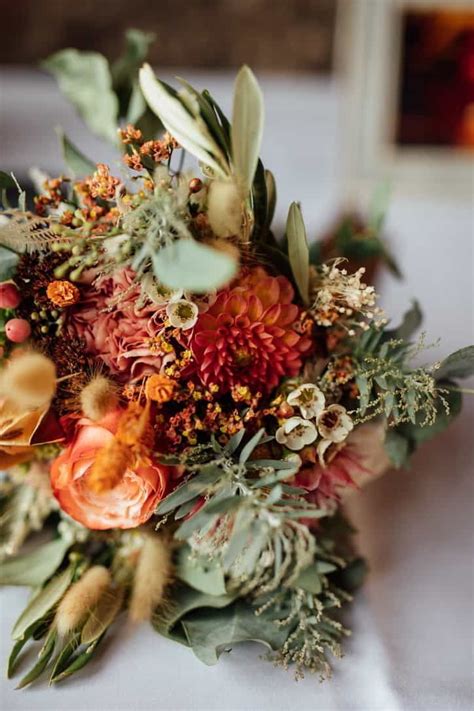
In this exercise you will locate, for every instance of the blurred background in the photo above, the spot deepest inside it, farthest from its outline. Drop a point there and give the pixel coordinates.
(358, 93)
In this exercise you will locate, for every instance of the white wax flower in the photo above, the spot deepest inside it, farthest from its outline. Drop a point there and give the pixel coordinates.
(182, 314)
(296, 433)
(334, 424)
(309, 398)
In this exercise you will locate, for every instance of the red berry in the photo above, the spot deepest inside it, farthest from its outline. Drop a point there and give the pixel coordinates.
(9, 295)
(17, 330)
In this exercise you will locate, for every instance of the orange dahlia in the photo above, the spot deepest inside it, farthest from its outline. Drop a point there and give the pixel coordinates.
(249, 334)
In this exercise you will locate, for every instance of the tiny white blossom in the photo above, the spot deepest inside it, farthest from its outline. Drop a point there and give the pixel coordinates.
(182, 314)
(334, 424)
(296, 433)
(309, 398)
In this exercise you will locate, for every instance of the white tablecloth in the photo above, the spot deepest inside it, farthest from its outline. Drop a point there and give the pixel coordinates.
(412, 623)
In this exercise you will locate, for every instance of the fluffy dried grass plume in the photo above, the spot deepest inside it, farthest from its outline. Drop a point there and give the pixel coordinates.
(81, 598)
(28, 381)
(224, 208)
(98, 398)
(153, 574)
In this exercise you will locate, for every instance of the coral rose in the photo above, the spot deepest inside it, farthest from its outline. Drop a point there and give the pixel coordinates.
(128, 504)
(250, 335)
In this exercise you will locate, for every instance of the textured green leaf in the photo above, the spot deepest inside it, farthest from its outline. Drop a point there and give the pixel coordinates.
(85, 80)
(204, 575)
(185, 600)
(310, 580)
(43, 602)
(76, 161)
(187, 264)
(459, 364)
(211, 632)
(35, 567)
(182, 120)
(298, 250)
(247, 127)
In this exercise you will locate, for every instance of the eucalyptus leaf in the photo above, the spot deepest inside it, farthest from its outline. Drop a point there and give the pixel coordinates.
(85, 80)
(193, 266)
(43, 602)
(247, 127)
(206, 576)
(185, 600)
(211, 632)
(298, 251)
(459, 364)
(35, 567)
(310, 580)
(76, 161)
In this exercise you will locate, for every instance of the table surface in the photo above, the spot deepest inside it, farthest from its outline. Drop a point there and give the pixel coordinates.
(412, 624)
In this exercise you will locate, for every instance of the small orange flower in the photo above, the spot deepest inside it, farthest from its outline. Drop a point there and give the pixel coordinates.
(131, 134)
(101, 184)
(63, 293)
(160, 388)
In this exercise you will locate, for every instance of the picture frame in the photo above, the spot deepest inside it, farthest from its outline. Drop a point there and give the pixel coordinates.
(368, 55)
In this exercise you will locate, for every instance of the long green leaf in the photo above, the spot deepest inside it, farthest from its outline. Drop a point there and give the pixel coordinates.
(298, 251)
(35, 567)
(43, 601)
(43, 658)
(247, 127)
(185, 125)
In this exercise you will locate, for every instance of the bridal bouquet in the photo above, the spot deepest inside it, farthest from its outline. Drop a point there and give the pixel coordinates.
(185, 399)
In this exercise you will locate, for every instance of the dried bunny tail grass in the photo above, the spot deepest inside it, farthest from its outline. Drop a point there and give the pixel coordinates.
(224, 208)
(152, 575)
(98, 397)
(110, 464)
(29, 381)
(81, 598)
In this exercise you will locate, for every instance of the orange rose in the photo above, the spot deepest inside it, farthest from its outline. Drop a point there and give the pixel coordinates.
(128, 504)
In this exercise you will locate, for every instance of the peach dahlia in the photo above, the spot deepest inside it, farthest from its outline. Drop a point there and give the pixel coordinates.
(249, 335)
